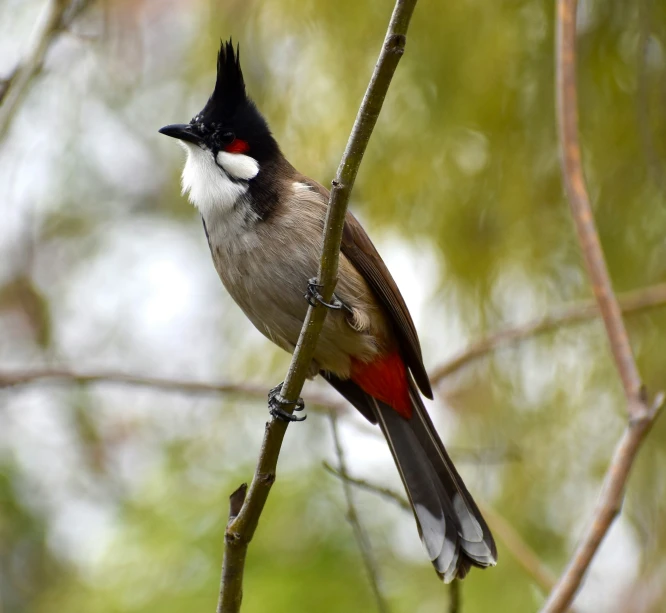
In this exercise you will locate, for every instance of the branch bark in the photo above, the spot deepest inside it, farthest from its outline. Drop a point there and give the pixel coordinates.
(352, 516)
(63, 375)
(581, 209)
(240, 531)
(455, 598)
(641, 415)
(630, 302)
(58, 15)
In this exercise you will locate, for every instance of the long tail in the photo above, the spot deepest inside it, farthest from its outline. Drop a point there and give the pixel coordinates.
(450, 525)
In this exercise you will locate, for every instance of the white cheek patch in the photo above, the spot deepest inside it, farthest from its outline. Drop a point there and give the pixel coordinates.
(209, 189)
(238, 165)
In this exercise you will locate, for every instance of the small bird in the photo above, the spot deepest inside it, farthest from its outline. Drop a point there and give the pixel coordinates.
(263, 220)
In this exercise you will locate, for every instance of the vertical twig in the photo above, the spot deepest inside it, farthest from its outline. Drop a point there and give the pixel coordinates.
(641, 416)
(360, 535)
(579, 200)
(240, 531)
(232, 568)
(455, 596)
(16, 85)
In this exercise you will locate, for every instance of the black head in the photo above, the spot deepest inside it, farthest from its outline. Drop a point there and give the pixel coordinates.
(230, 121)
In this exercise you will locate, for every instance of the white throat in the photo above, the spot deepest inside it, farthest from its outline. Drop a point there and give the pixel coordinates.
(210, 188)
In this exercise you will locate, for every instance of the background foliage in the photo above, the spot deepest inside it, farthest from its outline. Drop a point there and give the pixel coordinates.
(114, 498)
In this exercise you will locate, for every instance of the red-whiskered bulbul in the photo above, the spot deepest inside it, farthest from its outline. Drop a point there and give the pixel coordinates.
(263, 221)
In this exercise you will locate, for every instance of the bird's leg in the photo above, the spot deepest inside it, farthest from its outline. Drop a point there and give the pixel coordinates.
(276, 404)
(313, 297)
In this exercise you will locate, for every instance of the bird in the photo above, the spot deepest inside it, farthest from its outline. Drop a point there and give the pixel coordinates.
(263, 220)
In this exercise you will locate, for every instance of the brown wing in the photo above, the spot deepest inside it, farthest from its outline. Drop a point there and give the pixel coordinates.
(358, 248)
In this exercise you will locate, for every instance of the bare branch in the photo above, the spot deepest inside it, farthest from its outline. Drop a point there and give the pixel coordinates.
(608, 507)
(232, 571)
(59, 375)
(455, 597)
(384, 492)
(240, 531)
(360, 535)
(641, 416)
(630, 302)
(58, 16)
(581, 209)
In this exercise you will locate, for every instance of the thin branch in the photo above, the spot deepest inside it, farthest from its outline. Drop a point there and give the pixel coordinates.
(455, 596)
(513, 542)
(64, 376)
(5, 83)
(360, 535)
(384, 492)
(630, 302)
(232, 572)
(608, 508)
(581, 209)
(58, 16)
(241, 530)
(641, 416)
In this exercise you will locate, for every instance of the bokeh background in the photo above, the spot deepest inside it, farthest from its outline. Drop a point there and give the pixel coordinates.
(114, 498)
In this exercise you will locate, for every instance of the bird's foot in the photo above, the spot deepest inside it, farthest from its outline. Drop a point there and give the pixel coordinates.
(276, 405)
(313, 297)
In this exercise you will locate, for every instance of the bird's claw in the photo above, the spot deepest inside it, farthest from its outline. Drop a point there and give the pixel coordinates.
(276, 404)
(313, 297)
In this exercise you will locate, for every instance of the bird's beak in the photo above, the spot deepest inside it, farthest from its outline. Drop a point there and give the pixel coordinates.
(181, 131)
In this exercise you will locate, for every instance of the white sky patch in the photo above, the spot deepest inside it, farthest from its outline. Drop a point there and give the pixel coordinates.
(150, 301)
(82, 531)
(119, 154)
(169, 291)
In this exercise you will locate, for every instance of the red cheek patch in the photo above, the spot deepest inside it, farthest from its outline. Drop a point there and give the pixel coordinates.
(237, 146)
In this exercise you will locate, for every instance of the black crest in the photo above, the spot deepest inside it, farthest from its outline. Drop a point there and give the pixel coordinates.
(230, 114)
(229, 94)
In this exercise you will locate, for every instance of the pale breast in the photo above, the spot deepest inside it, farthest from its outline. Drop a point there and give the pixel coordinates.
(265, 266)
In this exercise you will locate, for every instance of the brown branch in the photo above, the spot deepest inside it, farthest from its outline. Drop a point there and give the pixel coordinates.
(630, 302)
(608, 508)
(455, 596)
(59, 16)
(581, 209)
(65, 376)
(360, 535)
(641, 416)
(241, 530)
(513, 542)
(232, 571)
(384, 492)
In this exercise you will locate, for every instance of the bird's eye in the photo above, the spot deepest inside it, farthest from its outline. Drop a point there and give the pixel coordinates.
(227, 138)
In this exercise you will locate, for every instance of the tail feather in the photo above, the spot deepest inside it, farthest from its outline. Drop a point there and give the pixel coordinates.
(451, 527)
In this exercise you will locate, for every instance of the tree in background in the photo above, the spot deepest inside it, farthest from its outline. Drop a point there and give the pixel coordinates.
(105, 269)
